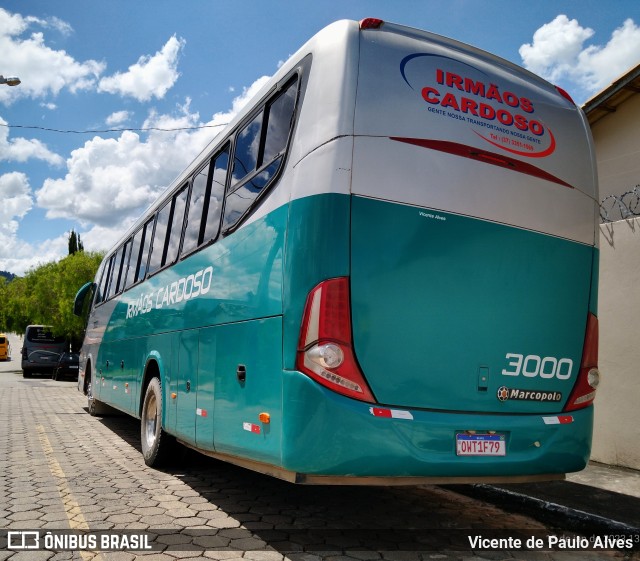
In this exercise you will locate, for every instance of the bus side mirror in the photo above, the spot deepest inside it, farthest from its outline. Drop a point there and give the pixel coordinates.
(78, 303)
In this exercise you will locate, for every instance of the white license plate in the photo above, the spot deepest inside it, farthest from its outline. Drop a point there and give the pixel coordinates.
(481, 445)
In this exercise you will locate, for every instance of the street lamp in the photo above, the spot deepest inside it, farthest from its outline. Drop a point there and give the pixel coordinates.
(10, 80)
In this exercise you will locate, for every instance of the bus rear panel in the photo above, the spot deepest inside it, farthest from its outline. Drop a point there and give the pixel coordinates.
(472, 276)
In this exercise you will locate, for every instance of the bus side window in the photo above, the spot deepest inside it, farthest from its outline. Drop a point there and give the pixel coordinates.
(175, 228)
(280, 117)
(125, 265)
(133, 260)
(145, 246)
(116, 267)
(216, 196)
(158, 249)
(263, 149)
(246, 153)
(101, 291)
(192, 238)
(107, 292)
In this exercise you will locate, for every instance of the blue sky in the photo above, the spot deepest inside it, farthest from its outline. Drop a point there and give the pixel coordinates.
(169, 64)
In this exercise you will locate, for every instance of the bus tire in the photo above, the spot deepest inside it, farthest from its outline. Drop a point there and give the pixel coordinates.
(157, 445)
(95, 407)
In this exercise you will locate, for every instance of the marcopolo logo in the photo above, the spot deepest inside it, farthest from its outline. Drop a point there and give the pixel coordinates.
(504, 393)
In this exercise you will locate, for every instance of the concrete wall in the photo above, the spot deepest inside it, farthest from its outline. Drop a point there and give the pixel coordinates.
(617, 404)
(617, 141)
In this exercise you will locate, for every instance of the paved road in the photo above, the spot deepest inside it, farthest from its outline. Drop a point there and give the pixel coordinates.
(61, 469)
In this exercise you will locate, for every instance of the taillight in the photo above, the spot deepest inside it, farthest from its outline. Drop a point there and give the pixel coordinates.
(584, 392)
(565, 94)
(325, 348)
(371, 23)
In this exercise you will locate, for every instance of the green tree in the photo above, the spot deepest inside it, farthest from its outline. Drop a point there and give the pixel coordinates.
(14, 305)
(46, 293)
(71, 273)
(75, 243)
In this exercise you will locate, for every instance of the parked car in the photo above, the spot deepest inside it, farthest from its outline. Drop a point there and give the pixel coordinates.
(5, 347)
(67, 367)
(41, 351)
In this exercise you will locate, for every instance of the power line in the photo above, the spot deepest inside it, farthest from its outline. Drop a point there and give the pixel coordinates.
(95, 131)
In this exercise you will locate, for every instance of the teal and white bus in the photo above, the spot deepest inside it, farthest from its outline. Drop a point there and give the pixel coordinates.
(383, 271)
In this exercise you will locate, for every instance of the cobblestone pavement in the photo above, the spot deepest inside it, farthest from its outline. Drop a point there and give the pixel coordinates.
(61, 469)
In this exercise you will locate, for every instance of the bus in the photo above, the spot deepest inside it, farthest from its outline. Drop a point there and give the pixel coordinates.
(383, 271)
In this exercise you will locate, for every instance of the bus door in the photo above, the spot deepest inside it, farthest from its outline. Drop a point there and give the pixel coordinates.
(248, 388)
(125, 374)
(187, 385)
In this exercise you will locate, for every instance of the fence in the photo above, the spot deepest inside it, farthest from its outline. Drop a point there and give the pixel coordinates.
(620, 207)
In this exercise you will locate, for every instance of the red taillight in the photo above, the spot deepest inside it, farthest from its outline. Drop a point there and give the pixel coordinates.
(565, 94)
(371, 23)
(325, 349)
(584, 392)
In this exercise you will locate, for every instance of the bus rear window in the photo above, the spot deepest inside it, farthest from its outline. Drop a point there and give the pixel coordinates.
(43, 335)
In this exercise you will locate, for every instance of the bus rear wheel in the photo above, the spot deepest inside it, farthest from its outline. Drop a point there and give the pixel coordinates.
(157, 445)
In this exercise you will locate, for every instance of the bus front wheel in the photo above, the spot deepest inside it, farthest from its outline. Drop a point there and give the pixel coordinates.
(94, 407)
(157, 445)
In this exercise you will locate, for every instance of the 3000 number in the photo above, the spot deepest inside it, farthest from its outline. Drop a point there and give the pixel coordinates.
(533, 365)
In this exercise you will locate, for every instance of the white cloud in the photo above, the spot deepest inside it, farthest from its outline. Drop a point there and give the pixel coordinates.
(556, 46)
(109, 182)
(118, 118)
(57, 24)
(16, 198)
(18, 256)
(558, 53)
(43, 71)
(151, 76)
(602, 65)
(22, 149)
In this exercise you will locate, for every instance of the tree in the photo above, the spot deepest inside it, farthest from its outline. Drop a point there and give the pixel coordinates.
(46, 293)
(75, 243)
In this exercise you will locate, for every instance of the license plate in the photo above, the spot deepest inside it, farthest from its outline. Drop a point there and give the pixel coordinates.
(74, 367)
(480, 445)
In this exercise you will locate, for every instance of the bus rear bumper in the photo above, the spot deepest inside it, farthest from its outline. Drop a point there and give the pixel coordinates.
(327, 436)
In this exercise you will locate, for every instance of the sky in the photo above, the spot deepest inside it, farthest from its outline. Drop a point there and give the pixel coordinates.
(118, 97)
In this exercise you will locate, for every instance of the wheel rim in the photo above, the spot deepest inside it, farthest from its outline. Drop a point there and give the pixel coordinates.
(150, 420)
